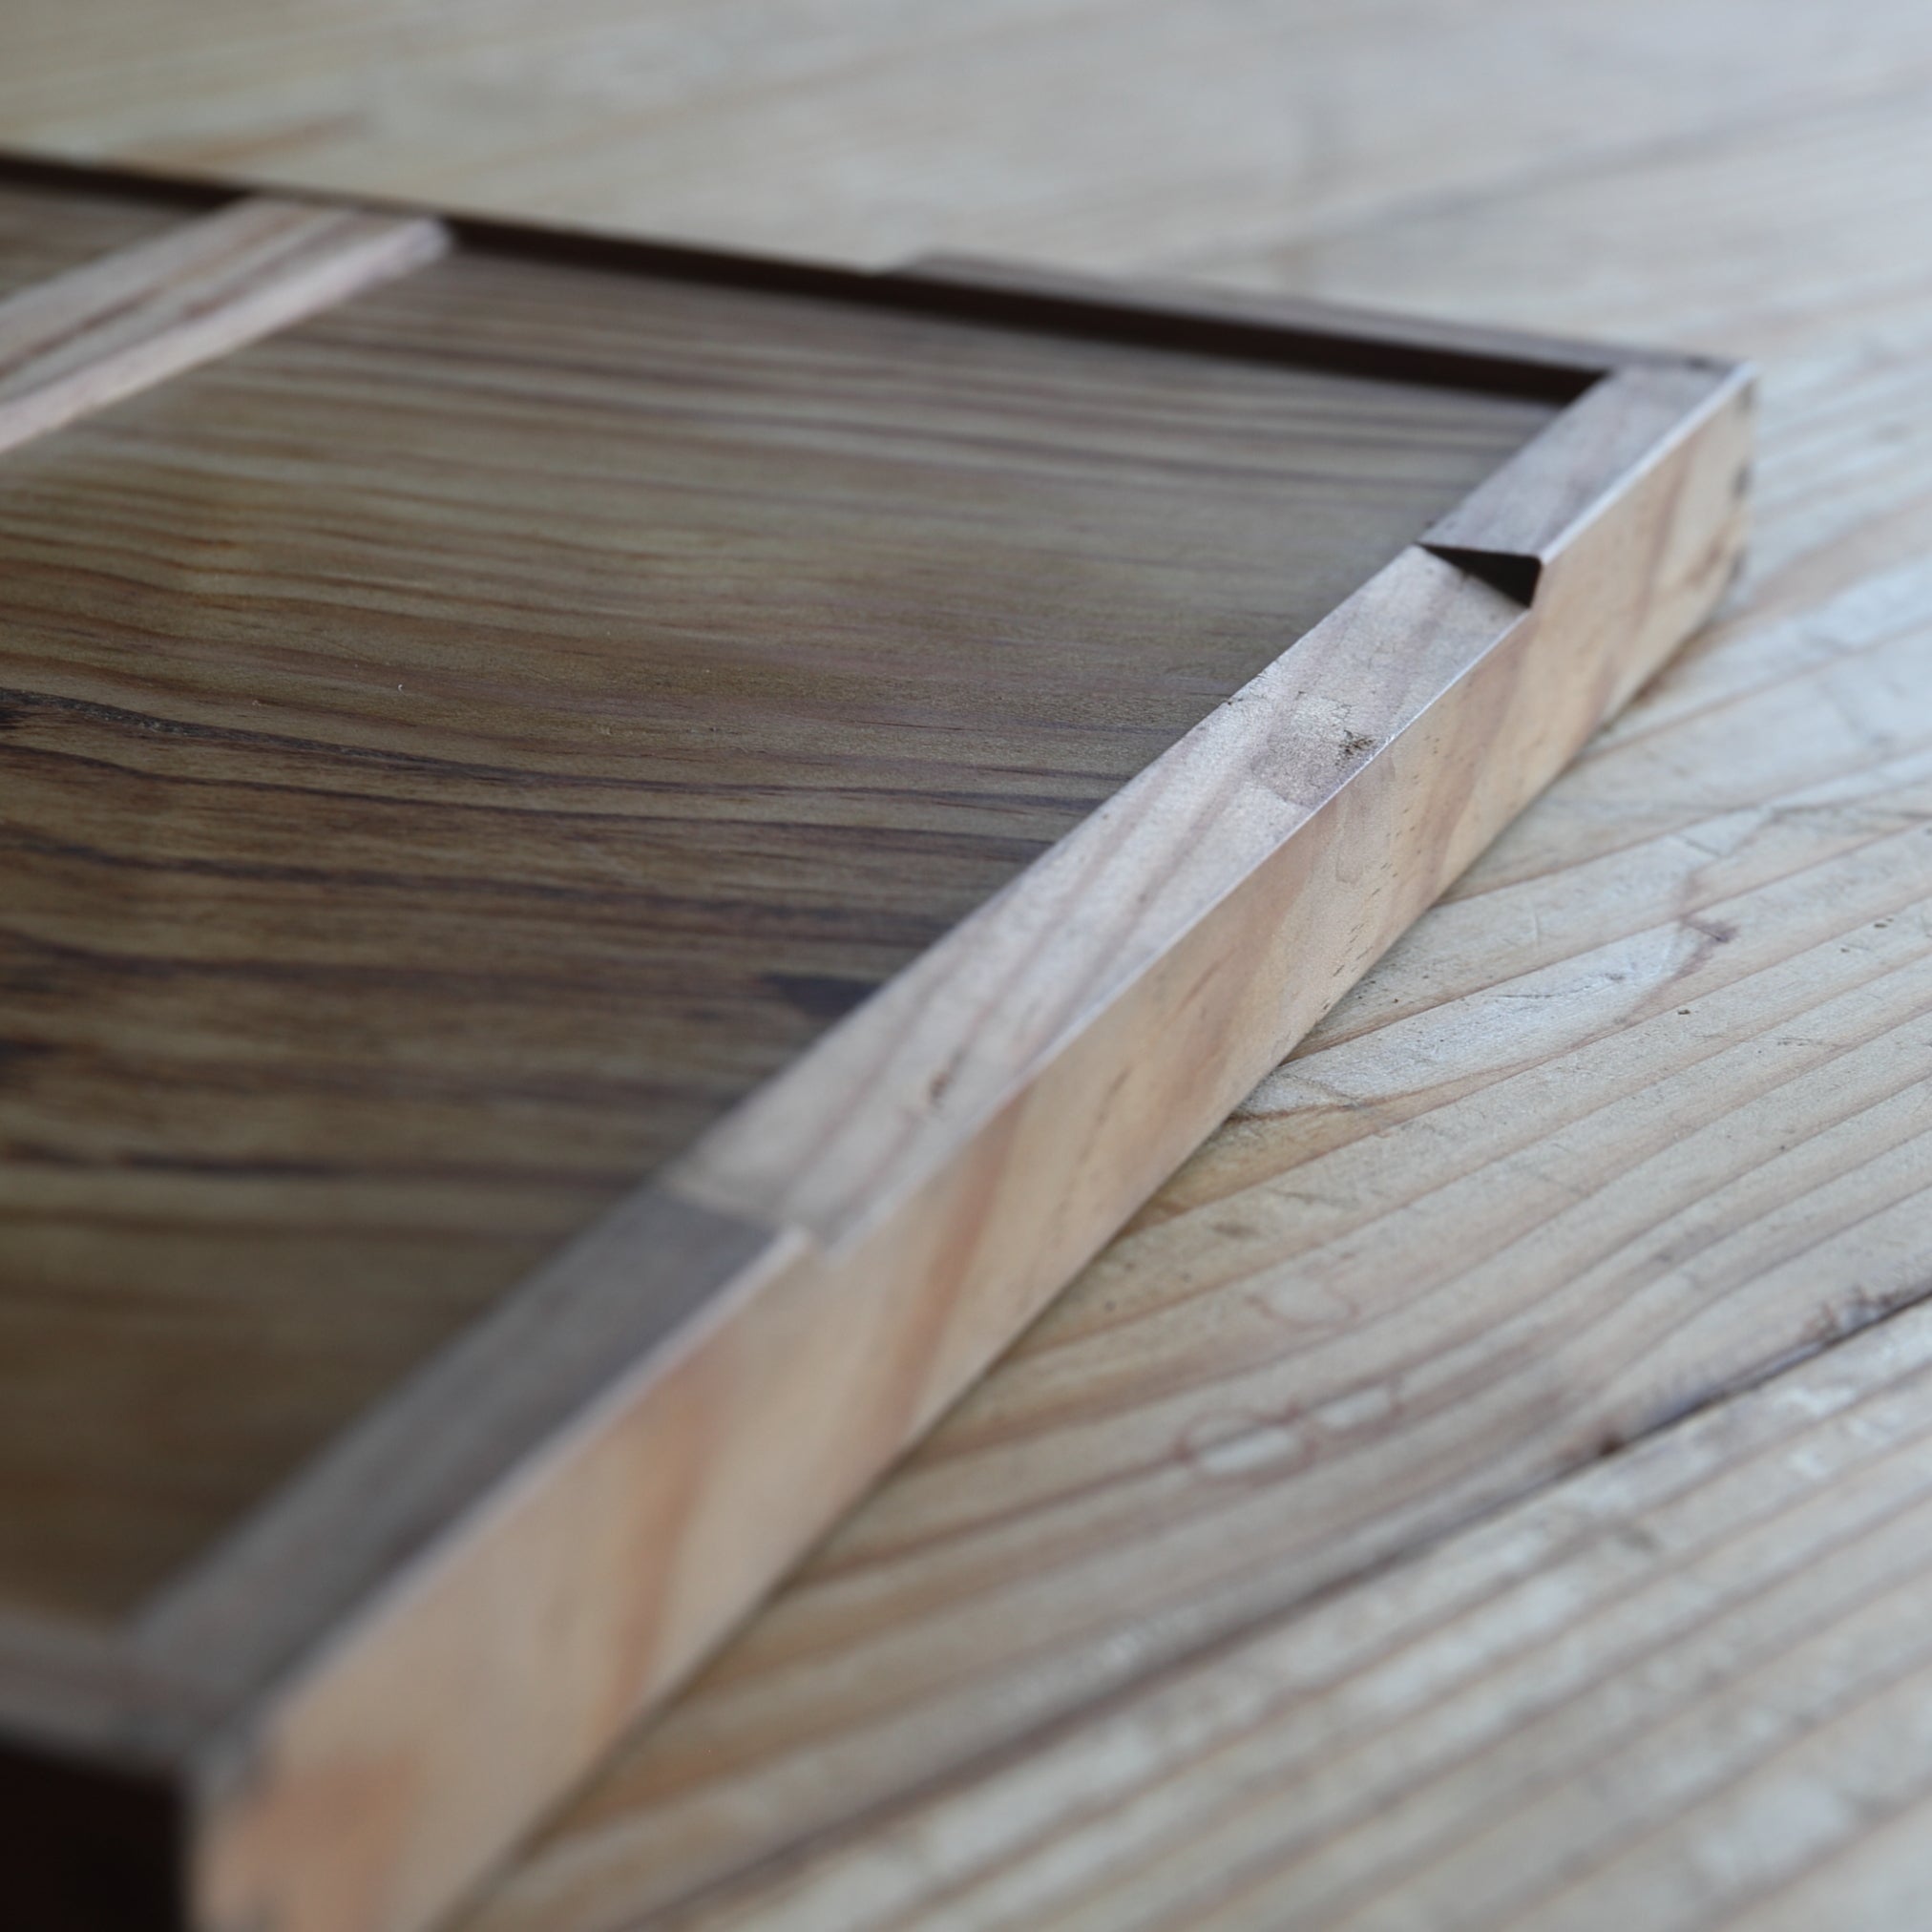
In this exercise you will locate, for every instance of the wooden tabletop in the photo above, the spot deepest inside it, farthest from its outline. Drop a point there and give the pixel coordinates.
(1491, 1484)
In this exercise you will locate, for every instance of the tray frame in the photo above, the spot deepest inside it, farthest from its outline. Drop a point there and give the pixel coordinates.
(329, 1722)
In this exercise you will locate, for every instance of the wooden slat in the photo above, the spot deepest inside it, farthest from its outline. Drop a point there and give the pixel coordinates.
(1657, 1693)
(98, 333)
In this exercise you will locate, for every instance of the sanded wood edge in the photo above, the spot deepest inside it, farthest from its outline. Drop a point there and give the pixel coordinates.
(1042, 1068)
(1523, 517)
(86, 339)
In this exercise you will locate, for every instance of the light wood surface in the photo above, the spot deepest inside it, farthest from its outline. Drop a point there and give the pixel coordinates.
(1655, 1693)
(1122, 135)
(1583, 1087)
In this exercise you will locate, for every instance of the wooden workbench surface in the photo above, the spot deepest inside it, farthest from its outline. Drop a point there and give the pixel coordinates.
(1486, 1485)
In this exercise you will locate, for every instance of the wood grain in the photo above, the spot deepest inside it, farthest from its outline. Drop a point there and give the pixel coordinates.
(1740, 175)
(1656, 1693)
(83, 340)
(358, 966)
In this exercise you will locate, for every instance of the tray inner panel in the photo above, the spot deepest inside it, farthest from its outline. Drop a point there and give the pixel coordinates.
(455, 749)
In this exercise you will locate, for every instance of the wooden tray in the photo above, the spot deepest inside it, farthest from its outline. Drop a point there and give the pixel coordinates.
(618, 861)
